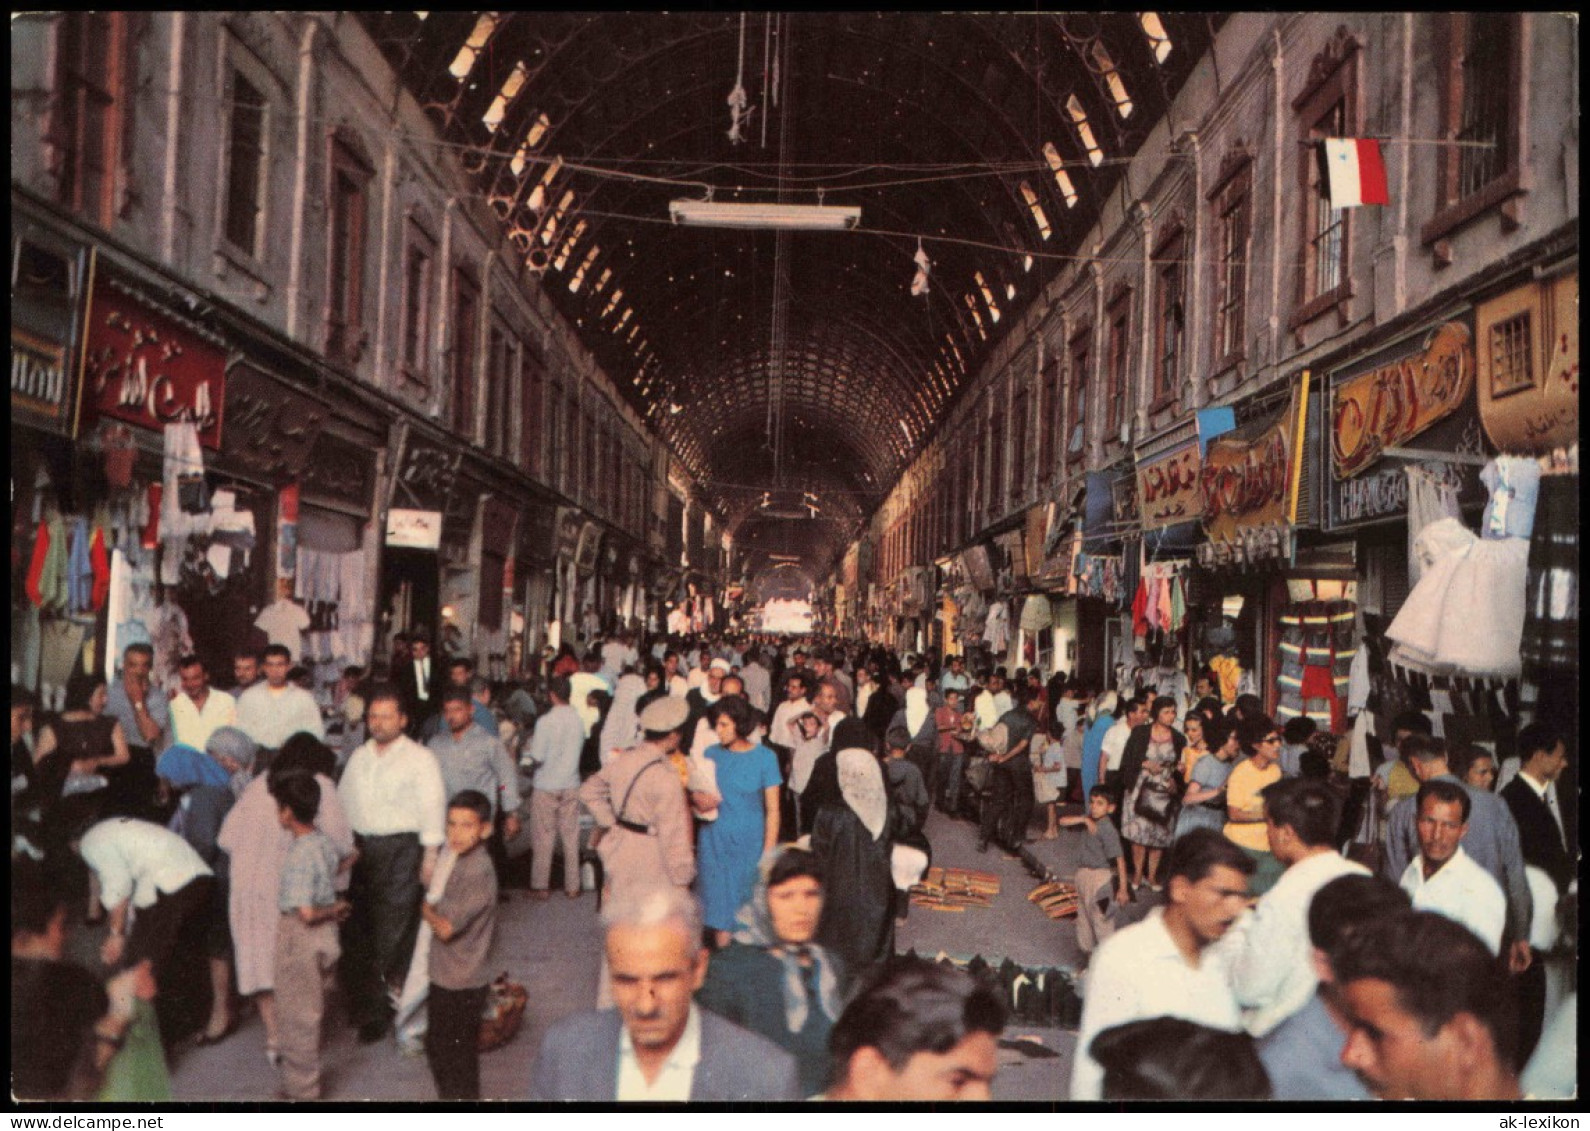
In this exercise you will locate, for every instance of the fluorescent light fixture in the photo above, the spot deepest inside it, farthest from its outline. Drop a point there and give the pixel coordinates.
(795, 217)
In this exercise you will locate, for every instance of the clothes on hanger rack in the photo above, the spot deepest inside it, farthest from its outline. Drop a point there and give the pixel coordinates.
(1467, 611)
(1431, 497)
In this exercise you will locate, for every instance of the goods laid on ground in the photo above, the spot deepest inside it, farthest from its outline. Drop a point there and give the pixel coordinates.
(1057, 900)
(955, 889)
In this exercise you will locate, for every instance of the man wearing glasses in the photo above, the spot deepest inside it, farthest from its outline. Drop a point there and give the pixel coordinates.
(1261, 742)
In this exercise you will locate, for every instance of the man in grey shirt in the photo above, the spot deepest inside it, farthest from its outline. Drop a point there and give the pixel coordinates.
(555, 805)
(137, 704)
(470, 758)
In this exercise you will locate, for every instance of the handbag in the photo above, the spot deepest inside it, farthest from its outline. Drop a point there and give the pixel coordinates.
(1155, 802)
(504, 1012)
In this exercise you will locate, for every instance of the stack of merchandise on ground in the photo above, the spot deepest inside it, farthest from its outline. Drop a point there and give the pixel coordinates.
(1057, 900)
(955, 889)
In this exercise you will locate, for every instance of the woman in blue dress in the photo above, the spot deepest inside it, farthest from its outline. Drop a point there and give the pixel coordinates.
(1203, 806)
(1102, 718)
(730, 848)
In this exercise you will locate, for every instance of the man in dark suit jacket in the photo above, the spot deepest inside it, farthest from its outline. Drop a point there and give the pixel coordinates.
(420, 671)
(1543, 835)
(1532, 796)
(675, 1051)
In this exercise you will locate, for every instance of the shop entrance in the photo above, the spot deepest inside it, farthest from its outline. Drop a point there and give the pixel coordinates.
(410, 592)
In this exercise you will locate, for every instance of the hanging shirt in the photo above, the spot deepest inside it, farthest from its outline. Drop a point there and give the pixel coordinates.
(284, 622)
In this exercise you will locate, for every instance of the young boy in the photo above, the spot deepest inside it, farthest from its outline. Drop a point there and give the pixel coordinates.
(306, 937)
(463, 919)
(1101, 853)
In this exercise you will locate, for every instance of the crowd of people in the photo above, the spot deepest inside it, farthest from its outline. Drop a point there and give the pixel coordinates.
(755, 813)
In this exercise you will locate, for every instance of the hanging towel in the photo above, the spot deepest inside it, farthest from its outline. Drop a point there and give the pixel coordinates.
(1140, 610)
(99, 560)
(79, 570)
(41, 554)
(1178, 604)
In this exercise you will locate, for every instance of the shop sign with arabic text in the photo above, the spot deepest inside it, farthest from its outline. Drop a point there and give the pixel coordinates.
(1246, 477)
(143, 366)
(1167, 486)
(1399, 397)
(1379, 492)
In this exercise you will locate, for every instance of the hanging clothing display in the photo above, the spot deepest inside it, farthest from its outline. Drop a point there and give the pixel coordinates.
(1467, 612)
(1431, 497)
(1514, 486)
(1317, 652)
(997, 630)
(1551, 615)
(1035, 613)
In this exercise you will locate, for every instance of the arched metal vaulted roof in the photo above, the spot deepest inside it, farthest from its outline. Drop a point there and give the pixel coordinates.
(936, 125)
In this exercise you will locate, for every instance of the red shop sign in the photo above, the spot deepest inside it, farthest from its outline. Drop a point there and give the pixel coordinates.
(146, 368)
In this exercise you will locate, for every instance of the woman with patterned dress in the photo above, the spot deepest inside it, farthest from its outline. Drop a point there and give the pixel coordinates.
(1153, 752)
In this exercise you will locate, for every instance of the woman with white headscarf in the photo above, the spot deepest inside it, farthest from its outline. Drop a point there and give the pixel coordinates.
(621, 730)
(917, 719)
(852, 844)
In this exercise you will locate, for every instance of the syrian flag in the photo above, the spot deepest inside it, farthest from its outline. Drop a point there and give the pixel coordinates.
(1354, 172)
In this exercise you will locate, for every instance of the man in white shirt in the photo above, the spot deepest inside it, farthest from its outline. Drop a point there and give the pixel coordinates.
(199, 710)
(273, 711)
(1271, 958)
(1443, 878)
(617, 654)
(657, 1046)
(1164, 966)
(1114, 746)
(758, 681)
(678, 686)
(396, 804)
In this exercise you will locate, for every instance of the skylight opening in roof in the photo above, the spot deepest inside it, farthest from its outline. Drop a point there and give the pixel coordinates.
(623, 319)
(1158, 37)
(1026, 263)
(988, 296)
(464, 61)
(538, 195)
(511, 86)
(1061, 178)
(601, 280)
(1038, 216)
(1067, 189)
(613, 300)
(550, 229)
(521, 156)
(585, 265)
(1079, 119)
(568, 246)
(1112, 79)
(1010, 290)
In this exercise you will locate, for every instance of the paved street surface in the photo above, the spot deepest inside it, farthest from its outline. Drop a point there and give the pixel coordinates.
(554, 949)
